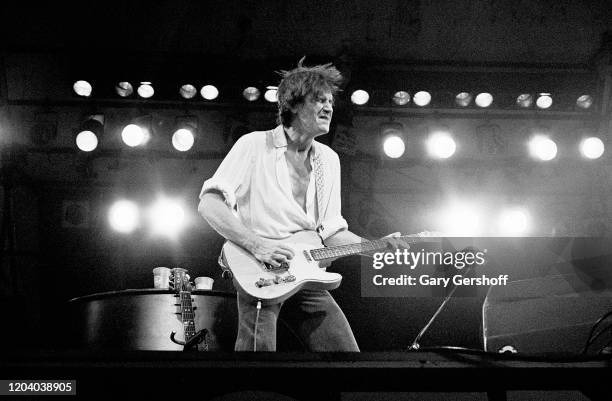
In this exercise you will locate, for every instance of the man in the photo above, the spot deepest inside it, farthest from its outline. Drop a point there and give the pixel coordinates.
(273, 184)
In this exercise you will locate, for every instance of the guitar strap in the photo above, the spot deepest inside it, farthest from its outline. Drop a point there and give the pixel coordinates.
(320, 185)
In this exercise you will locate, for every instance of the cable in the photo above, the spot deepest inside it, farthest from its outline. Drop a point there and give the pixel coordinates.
(591, 339)
(256, 322)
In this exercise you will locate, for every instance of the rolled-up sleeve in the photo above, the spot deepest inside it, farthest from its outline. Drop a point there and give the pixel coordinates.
(333, 221)
(233, 172)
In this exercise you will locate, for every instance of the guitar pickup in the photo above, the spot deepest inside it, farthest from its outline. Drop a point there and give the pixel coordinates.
(263, 283)
(270, 268)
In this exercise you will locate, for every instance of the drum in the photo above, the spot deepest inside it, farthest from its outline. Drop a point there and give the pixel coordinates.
(144, 319)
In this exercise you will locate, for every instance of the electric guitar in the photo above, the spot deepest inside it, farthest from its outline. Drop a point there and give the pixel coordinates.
(268, 284)
(180, 283)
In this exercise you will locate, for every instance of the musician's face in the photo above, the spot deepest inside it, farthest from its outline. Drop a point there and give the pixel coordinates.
(315, 114)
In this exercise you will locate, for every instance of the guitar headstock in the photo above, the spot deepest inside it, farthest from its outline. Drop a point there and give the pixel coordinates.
(180, 280)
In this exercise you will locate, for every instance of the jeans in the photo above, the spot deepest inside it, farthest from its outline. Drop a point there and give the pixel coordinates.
(313, 315)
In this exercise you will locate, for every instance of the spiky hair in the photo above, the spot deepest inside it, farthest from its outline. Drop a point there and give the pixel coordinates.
(302, 81)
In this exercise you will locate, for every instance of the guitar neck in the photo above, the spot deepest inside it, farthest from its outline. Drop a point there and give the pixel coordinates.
(339, 251)
(187, 315)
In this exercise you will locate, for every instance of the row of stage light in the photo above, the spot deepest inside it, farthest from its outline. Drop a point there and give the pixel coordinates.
(137, 133)
(167, 217)
(145, 90)
(359, 97)
(439, 145)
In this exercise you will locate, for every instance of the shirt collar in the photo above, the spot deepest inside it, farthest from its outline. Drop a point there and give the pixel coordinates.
(280, 140)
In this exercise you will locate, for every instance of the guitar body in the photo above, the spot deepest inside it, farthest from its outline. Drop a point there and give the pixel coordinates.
(271, 286)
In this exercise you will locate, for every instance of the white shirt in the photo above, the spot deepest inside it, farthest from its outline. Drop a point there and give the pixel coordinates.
(254, 179)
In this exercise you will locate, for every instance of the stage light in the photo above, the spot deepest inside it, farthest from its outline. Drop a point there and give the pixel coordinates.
(463, 99)
(441, 145)
(182, 139)
(188, 91)
(271, 94)
(82, 88)
(185, 131)
(584, 101)
(124, 89)
(167, 217)
(209, 92)
(251, 94)
(592, 148)
(360, 97)
(543, 148)
(422, 98)
(484, 99)
(513, 223)
(544, 101)
(145, 90)
(460, 220)
(124, 216)
(90, 132)
(394, 146)
(524, 100)
(133, 135)
(391, 137)
(401, 98)
(86, 141)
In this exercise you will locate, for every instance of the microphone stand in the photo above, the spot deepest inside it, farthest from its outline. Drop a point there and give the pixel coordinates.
(415, 344)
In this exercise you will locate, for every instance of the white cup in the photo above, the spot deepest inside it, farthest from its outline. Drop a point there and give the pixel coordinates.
(161, 277)
(204, 283)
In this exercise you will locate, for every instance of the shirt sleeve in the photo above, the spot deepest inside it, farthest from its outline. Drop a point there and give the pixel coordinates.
(333, 221)
(233, 172)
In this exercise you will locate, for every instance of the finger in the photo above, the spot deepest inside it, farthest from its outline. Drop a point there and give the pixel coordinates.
(285, 250)
(273, 262)
(280, 258)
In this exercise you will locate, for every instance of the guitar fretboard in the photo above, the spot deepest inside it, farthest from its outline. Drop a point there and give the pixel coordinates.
(333, 252)
(187, 314)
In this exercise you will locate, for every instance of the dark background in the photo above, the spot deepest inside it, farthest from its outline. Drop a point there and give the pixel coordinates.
(558, 46)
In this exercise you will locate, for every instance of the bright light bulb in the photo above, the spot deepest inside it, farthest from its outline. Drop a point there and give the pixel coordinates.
(441, 145)
(209, 92)
(124, 216)
(133, 135)
(145, 90)
(394, 146)
(544, 101)
(86, 141)
(183, 139)
(82, 88)
(592, 148)
(271, 95)
(167, 217)
(360, 97)
(484, 99)
(543, 148)
(422, 98)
